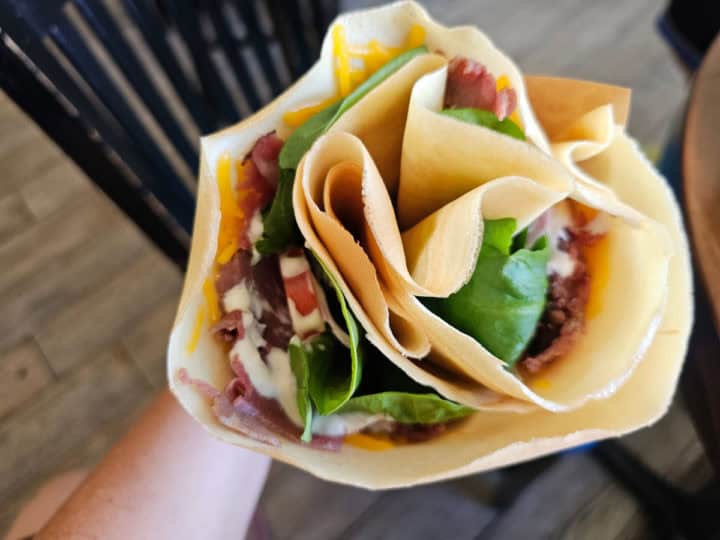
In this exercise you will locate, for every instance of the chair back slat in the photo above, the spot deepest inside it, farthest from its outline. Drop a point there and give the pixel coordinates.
(230, 46)
(107, 32)
(142, 93)
(164, 183)
(148, 20)
(188, 24)
(257, 40)
(27, 90)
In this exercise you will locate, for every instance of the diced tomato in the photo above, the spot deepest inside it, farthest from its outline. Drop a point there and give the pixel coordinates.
(300, 290)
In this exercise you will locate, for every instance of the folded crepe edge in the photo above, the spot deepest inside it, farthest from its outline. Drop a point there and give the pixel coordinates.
(415, 464)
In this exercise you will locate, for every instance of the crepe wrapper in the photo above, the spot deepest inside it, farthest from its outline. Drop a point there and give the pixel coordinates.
(621, 374)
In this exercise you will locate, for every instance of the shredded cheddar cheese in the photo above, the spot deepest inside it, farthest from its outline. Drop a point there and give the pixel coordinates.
(351, 74)
(197, 328)
(298, 117)
(342, 60)
(230, 213)
(597, 258)
(502, 82)
(367, 442)
(211, 300)
(541, 384)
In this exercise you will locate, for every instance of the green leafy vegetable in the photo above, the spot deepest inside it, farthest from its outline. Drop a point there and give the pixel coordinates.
(280, 229)
(331, 383)
(486, 119)
(387, 389)
(376, 78)
(302, 138)
(333, 376)
(408, 408)
(299, 363)
(501, 304)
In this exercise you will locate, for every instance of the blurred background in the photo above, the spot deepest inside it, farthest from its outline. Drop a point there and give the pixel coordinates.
(87, 302)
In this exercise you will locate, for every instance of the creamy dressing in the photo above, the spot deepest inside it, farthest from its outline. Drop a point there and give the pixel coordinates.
(291, 266)
(556, 221)
(255, 232)
(274, 380)
(339, 425)
(306, 325)
(256, 229)
(241, 298)
(237, 298)
(560, 263)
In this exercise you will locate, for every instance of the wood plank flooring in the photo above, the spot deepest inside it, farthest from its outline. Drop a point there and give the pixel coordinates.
(87, 304)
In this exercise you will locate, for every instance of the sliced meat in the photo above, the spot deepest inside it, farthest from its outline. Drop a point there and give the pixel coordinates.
(230, 327)
(470, 84)
(265, 157)
(564, 317)
(233, 272)
(257, 183)
(248, 403)
(268, 285)
(226, 414)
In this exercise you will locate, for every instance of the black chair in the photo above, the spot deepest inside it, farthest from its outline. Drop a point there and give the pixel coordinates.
(50, 65)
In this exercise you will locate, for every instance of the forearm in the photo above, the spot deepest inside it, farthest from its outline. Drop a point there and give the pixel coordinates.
(167, 478)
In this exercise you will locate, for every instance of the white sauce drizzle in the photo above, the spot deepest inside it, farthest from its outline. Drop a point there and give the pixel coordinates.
(274, 380)
(237, 298)
(338, 425)
(558, 219)
(291, 266)
(255, 232)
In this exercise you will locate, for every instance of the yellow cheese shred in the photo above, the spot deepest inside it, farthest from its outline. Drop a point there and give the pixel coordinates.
(342, 59)
(367, 442)
(230, 213)
(541, 384)
(597, 257)
(350, 75)
(211, 300)
(298, 117)
(197, 328)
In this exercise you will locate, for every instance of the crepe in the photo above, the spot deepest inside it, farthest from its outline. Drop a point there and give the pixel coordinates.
(579, 150)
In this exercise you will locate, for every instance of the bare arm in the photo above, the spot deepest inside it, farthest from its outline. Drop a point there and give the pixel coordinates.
(167, 478)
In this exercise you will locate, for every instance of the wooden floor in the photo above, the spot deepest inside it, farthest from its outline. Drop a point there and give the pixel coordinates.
(87, 304)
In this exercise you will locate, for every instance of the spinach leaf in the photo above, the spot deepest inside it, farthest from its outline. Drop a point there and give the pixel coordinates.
(501, 304)
(280, 229)
(486, 119)
(408, 408)
(302, 138)
(299, 363)
(333, 379)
